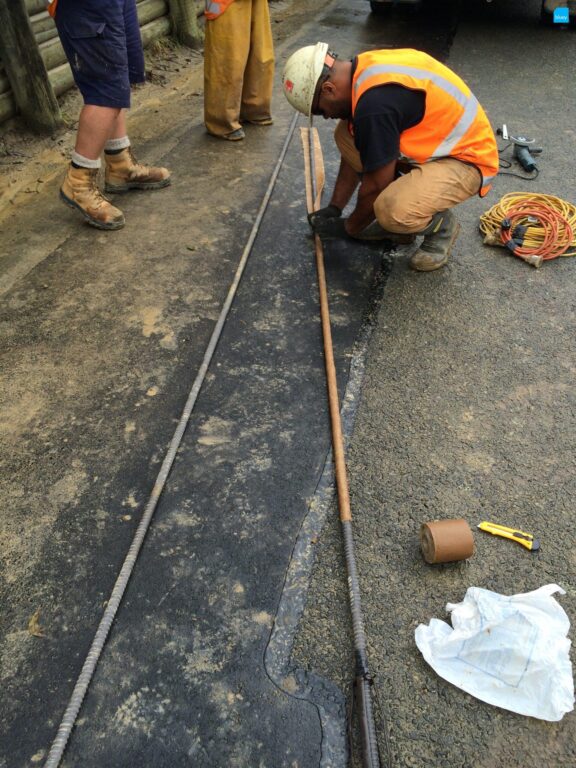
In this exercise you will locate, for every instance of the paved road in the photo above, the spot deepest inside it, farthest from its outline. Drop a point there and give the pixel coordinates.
(466, 408)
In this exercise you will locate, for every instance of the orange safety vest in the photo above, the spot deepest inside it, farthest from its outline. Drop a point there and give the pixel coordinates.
(454, 123)
(52, 8)
(215, 8)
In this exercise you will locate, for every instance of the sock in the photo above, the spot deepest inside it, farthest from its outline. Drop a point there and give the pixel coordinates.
(115, 146)
(79, 161)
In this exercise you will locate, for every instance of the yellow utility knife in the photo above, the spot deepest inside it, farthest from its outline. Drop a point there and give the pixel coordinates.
(523, 538)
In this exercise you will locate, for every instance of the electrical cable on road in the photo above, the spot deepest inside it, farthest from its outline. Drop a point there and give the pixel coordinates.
(534, 227)
(314, 172)
(81, 687)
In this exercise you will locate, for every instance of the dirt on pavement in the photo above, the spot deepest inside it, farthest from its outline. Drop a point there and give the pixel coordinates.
(38, 383)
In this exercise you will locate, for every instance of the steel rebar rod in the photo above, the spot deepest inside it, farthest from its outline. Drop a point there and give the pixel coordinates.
(314, 174)
(70, 715)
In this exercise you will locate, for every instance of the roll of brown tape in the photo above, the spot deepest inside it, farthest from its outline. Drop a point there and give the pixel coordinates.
(443, 541)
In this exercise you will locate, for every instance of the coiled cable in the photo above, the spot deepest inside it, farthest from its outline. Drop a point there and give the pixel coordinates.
(534, 227)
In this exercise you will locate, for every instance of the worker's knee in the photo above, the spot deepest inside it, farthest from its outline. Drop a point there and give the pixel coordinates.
(396, 215)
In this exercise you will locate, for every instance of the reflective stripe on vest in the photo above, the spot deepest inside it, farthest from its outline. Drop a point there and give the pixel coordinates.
(454, 123)
(215, 8)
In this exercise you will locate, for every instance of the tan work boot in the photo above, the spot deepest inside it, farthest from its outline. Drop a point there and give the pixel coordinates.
(124, 172)
(439, 237)
(80, 191)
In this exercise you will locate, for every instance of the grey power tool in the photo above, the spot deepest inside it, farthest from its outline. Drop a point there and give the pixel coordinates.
(524, 149)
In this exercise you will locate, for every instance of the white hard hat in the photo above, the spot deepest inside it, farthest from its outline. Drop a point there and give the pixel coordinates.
(301, 74)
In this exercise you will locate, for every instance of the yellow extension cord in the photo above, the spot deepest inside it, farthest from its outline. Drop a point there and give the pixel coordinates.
(552, 235)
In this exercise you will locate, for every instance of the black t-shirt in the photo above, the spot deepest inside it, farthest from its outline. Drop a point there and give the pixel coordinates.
(382, 113)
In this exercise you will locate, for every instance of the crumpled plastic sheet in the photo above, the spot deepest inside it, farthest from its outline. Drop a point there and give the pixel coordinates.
(510, 651)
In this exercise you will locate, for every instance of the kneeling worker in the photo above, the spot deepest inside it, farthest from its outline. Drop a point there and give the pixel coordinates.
(412, 136)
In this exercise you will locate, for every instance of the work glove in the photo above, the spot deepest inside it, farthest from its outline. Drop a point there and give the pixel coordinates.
(330, 212)
(330, 229)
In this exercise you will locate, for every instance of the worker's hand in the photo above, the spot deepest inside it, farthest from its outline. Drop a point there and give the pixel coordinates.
(330, 212)
(330, 229)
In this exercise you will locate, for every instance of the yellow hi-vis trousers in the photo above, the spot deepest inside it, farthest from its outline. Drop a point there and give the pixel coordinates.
(238, 66)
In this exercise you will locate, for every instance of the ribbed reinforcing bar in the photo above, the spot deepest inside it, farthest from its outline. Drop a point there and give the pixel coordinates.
(354, 590)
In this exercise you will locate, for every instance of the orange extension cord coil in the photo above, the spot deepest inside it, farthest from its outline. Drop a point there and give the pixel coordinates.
(533, 227)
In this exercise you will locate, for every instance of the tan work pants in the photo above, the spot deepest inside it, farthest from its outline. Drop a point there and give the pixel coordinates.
(238, 66)
(409, 202)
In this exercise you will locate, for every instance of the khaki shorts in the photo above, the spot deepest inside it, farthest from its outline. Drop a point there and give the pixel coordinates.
(410, 201)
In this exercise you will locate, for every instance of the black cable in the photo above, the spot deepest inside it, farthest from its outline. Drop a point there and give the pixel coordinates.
(519, 175)
(509, 165)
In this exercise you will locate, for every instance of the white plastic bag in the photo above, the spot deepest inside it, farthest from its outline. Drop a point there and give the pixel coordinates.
(512, 652)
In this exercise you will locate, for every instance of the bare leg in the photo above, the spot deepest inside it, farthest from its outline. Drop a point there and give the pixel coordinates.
(96, 126)
(119, 129)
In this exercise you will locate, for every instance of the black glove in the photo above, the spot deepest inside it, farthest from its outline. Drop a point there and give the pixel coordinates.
(330, 212)
(330, 229)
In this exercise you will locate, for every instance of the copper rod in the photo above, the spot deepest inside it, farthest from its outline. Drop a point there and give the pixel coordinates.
(314, 173)
(334, 404)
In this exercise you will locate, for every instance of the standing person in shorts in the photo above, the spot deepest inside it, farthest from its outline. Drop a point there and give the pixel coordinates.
(102, 42)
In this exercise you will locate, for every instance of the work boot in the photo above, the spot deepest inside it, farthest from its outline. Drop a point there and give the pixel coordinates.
(80, 191)
(124, 172)
(374, 232)
(439, 237)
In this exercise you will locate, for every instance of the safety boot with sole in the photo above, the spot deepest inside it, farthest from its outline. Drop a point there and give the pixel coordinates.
(439, 237)
(375, 233)
(124, 172)
(80, 191)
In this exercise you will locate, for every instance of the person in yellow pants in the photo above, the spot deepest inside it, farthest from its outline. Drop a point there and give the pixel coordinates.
(238, 66)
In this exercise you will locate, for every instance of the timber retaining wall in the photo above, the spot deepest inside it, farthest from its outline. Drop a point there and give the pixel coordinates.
(155, 22)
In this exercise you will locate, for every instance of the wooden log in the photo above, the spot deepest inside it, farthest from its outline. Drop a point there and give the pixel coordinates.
(183, 14)
(52, 53)
(35, 6)
(61, 79)
(148, 10)
(156, 29)
(31, 88)
(43, 27)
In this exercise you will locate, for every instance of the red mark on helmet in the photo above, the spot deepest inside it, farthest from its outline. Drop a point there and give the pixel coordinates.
(289, 85)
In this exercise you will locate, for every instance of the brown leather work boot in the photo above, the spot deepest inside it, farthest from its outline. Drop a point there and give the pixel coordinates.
(439, 237)
(124, 172)
(80, 191)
